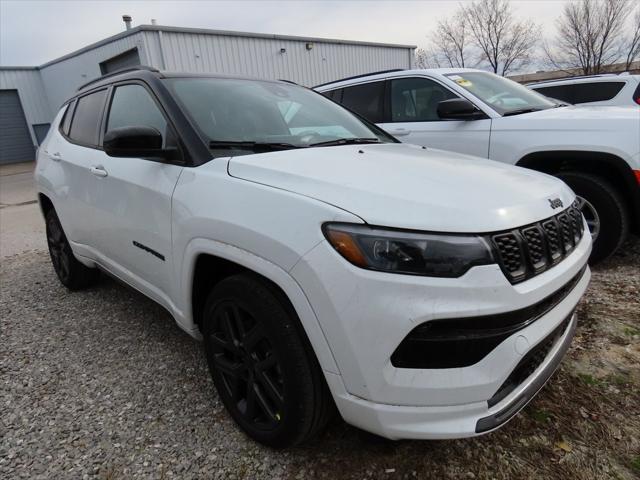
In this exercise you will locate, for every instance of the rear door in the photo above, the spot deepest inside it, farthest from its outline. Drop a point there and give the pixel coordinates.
(413, 118)
(74, 150)
(132, 197)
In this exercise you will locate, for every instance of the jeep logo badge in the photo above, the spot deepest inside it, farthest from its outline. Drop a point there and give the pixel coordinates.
(555, 203)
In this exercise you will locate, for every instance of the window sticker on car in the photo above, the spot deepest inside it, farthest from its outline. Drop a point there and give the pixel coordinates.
(464, 82)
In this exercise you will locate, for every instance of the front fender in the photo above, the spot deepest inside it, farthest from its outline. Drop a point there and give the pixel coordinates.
(267, 269)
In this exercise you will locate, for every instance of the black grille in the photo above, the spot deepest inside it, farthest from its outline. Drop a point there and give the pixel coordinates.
(532, 249)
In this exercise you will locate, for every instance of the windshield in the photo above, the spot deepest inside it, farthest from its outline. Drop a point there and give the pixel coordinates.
(249, 115)
(505, 96)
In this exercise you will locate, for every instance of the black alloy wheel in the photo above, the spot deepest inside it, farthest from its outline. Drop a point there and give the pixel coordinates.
(71, 273)
(59, 249)
(262, 363)
(249, 367)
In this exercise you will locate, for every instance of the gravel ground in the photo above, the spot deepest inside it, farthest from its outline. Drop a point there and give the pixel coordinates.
(102, 384)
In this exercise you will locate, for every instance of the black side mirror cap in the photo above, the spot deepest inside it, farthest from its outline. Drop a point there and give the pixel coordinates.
(459, 109)
(137, 141)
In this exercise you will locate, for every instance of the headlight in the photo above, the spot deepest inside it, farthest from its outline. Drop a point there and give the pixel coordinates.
(413, 253)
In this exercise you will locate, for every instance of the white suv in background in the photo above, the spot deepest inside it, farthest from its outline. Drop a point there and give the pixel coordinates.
(595, 150)
(612, 90)
(424, 293)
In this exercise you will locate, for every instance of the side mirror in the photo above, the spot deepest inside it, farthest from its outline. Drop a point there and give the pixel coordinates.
(136, 142)
(459, 109)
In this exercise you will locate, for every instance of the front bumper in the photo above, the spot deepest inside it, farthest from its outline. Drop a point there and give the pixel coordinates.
(444, 422)
(365, 315)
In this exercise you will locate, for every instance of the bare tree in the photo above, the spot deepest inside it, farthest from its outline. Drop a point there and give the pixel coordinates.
(451, 41)
(506, 43)
(632, 46)
(589, 35)
(424, 58)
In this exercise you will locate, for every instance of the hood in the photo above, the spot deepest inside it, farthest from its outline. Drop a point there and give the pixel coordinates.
(576, 117)
(405, 186)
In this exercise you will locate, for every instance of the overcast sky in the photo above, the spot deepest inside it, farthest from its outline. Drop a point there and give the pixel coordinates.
(34, 32)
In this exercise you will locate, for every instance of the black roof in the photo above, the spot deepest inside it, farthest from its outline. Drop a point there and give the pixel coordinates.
(142, 71)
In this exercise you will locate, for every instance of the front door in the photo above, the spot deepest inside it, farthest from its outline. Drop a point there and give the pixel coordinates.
(413, 118)
(132, 197)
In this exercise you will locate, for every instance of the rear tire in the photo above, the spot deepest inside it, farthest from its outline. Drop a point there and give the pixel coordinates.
(261, 363)
(72, 274)
(611, 210)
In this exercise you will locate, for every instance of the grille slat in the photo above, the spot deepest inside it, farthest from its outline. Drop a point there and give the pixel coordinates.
(533, 249)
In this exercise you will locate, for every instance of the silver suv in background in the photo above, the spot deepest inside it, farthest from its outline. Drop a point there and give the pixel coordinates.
(609, 89)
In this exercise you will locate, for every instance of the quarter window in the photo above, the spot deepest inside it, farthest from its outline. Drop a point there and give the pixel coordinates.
(66, 120)
(86, 118)
(596, 92)
(583, 92)
(366, 99)
(132, 106)
(416, 99)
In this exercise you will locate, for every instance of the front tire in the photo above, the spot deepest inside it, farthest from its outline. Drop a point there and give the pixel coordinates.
(72, 274)
(604, 209)
(262, 365)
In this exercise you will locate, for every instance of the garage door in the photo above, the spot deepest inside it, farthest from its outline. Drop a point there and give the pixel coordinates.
(15, 141)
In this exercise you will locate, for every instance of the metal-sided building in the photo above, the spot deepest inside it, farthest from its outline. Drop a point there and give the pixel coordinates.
(30, 96)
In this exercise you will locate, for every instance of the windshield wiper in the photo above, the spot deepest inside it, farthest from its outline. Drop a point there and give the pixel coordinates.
(267, 146)
(521, 110)
(345, 141)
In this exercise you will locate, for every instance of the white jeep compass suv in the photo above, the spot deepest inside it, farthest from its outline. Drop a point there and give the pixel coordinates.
(595, 150)
(424, 294)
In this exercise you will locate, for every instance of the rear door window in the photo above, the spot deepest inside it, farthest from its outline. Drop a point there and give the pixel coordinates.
(86, 118)
(366, 99)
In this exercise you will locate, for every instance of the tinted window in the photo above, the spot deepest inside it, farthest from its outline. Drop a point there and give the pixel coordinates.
(86, 118)
(565, 93)
(132, 106)
(416, 99)
(597, 91)
(66, 120)
(583, 92)
(367, 100)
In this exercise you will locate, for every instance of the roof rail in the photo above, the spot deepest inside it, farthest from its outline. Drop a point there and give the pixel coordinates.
(118, 72)
(361, 76)
(562, 79)
(288, 81)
